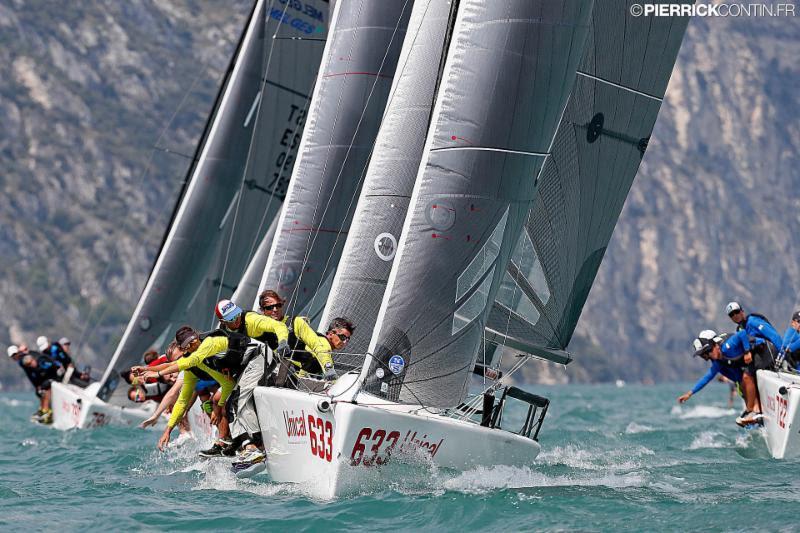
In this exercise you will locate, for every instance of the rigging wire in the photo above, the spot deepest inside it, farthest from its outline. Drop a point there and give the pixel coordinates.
(84, 338)
(250, 152)
(313, 235)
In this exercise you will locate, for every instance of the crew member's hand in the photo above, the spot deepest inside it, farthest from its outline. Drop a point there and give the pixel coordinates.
(748, 358)
(149, 374)
(684, 397)
(216, 414)
(149, 422)
(138, 369)
(60, 371)
(330, 373)
(283, 350)
(164, 440)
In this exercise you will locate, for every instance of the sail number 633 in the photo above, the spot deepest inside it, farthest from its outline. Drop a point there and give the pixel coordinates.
(374, 441)
(320, 435)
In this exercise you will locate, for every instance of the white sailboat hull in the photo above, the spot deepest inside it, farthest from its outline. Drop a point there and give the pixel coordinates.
(780, 397)
(341, 450)
(74, 407)
(77, 408)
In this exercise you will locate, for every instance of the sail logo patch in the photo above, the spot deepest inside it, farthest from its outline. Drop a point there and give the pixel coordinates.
(440, 214)
(397, 364)
(385, 246)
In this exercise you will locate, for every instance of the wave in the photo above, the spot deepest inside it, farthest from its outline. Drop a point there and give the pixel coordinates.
(13, 402)
(702, 411)
(484, 479)
(708, 439)
(634, 428)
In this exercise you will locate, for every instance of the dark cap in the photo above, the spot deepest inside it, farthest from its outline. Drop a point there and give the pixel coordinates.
(796, 316)
(185, 335)
(702, 346)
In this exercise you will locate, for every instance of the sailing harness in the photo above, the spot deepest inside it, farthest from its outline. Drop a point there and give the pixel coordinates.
(240, 350)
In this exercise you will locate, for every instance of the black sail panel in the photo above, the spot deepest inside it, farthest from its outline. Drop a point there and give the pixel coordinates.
(595, 156)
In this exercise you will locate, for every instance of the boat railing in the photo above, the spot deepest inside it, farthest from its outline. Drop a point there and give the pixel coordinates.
(537, 409)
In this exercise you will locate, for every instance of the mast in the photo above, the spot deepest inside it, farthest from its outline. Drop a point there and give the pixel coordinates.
(508, 74)
(371, 244)
(237, 182)
(596, 153)
(349, 99)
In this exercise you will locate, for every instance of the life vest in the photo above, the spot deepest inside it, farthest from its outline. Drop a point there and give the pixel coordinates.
(306, 359)
(238, 341)
(271, 339)
(201, 375)
(155, 391)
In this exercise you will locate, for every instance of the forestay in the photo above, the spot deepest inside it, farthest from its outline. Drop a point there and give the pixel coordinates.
(237, 180)
(349, 99)
(596, 153)
(509, 71)
(371, 244)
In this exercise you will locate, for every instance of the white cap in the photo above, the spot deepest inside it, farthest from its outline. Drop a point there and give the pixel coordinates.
(732, 307)
(63, 340)
(12, 350)
(707, 334)
(42, 343)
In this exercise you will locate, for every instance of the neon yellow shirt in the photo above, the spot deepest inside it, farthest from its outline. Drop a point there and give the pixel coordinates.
(256, 325)
(210, 346)
(317, 346)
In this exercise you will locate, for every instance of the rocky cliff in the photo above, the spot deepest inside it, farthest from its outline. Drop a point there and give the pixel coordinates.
(102, 103)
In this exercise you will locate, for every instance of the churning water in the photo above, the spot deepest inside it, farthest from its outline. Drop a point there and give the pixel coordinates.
(612, 458)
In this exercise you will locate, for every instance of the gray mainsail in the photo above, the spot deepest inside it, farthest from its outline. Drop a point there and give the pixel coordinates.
(596, 154)
(237, 180)
(509, 72)
(247, 290)
(346, 110)
(381, 210)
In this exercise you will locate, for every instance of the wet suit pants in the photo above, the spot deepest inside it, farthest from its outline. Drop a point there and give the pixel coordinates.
(244, 420)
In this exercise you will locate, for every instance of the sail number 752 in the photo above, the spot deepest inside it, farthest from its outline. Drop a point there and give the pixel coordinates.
(320, 435)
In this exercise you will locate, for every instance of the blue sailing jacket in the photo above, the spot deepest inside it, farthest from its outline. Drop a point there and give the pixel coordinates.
(791, 340)
(757, 326)
(57, 354)
(739, 344)
(734, 374)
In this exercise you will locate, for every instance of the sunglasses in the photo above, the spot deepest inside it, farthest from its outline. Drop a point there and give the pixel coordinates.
(271, 307)
(185, 344)
(342, 337)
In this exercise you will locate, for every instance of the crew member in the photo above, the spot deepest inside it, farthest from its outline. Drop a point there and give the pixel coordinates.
(195, 352)
(729, 369)
(753, 354)
(754, 324)
(60, 355)
(247, 365)
(790, 347)
(43, 371)
(311, 350)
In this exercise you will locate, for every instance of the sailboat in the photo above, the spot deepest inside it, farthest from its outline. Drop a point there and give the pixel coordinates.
(231, 196)
(779, 393)
(538, 116)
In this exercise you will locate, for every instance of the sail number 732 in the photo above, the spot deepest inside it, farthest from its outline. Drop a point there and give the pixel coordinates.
(320, 435)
